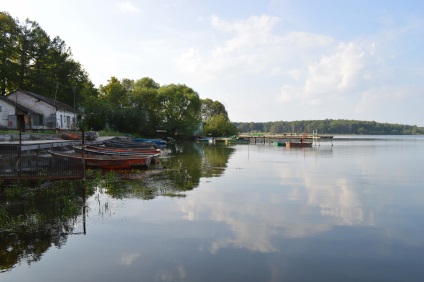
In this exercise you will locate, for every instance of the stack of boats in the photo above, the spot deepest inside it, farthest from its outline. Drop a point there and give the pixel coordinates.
(74, 135)
(116, 153)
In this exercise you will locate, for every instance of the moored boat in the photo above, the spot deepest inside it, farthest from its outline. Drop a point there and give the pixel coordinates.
(105, 161)
(204, 139)
(92, 150)
(280, 144)
(69, 135)
(157, 142)
(125, 142)
(298, 144)
(125, 150)
(301, 144)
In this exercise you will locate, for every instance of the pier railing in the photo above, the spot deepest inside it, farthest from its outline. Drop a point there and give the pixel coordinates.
(258, 138)
(25, 155)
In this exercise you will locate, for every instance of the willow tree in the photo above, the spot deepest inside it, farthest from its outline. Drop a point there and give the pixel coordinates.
(180, 110)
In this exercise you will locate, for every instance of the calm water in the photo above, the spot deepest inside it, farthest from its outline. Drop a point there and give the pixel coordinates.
(349, 212)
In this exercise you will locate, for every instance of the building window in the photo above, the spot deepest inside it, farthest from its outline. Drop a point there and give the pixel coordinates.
(0, 109)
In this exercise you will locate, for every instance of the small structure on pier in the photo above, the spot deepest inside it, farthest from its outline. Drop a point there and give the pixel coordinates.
(287, 137)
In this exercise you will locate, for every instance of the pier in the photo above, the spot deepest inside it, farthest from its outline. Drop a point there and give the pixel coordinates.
(284, 137)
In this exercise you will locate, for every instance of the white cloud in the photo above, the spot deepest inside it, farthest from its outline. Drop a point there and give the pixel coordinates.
(336, 73)
(386, 98)
(128, 7)
(245, 51)
(252, 49)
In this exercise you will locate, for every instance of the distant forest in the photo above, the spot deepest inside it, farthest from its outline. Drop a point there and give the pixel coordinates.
(329, 126)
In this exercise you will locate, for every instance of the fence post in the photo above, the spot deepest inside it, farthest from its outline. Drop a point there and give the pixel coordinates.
(20, 155)
(83, 156)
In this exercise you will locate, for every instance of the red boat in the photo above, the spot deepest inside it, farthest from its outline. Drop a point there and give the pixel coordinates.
(301, 144)
(68, 135)
(105, 161)
(298, 144)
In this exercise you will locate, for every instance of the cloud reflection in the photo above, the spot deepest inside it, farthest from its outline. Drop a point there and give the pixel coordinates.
(127, 259)
(308, 205)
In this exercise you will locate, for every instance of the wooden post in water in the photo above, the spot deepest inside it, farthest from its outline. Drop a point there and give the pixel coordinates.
(83, 207)
(83, 157)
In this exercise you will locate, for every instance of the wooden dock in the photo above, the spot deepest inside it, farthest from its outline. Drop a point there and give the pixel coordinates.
(284, 137)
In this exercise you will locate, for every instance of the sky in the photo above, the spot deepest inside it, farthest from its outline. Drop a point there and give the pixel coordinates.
(276, 60)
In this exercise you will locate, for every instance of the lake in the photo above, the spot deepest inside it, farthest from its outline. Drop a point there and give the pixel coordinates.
(347, 210)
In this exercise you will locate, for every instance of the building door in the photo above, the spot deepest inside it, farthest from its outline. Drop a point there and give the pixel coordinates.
(21, 122)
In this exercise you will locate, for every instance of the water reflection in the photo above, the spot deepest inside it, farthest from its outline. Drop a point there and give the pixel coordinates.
(181, 170)
(190, 162)
(258, 213)
(34, 219)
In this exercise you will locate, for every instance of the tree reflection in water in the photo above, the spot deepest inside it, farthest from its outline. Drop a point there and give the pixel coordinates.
(34, 219)
(185, 163)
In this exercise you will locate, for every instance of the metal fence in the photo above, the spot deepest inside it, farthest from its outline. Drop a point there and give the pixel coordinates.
(25, 155)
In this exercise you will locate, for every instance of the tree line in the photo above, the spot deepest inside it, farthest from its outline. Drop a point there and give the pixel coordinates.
(33, 61)
(144, 106)
(329, 126)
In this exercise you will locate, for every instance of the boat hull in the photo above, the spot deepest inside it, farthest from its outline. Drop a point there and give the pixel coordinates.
(105, 161)
(91, 150)
(298, 144)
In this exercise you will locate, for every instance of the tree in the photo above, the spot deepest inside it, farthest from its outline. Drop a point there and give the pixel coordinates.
(9, 32)
(180, 108)
(31, 61)
(145, 98)
(115, 93)
(219, 125)
(211, 108)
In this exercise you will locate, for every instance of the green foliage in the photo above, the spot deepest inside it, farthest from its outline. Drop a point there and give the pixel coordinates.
(32, 61)
(180, 109)
(219, 125)
(215, 119)
(143, 106)
(329, 126)
(33, 219)
(211, 108)
(9, 52)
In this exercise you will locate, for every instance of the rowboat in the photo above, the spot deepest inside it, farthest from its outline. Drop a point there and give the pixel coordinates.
(125, 150)
(125, 142)
(157, 142)
(92, 150)
(298, 144)
(204, 139)
(69, 135)
(301, 144)
(105, 161)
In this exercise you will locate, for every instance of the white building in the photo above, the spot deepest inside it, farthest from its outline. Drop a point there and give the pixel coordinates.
(45, 112)
(14, 116)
